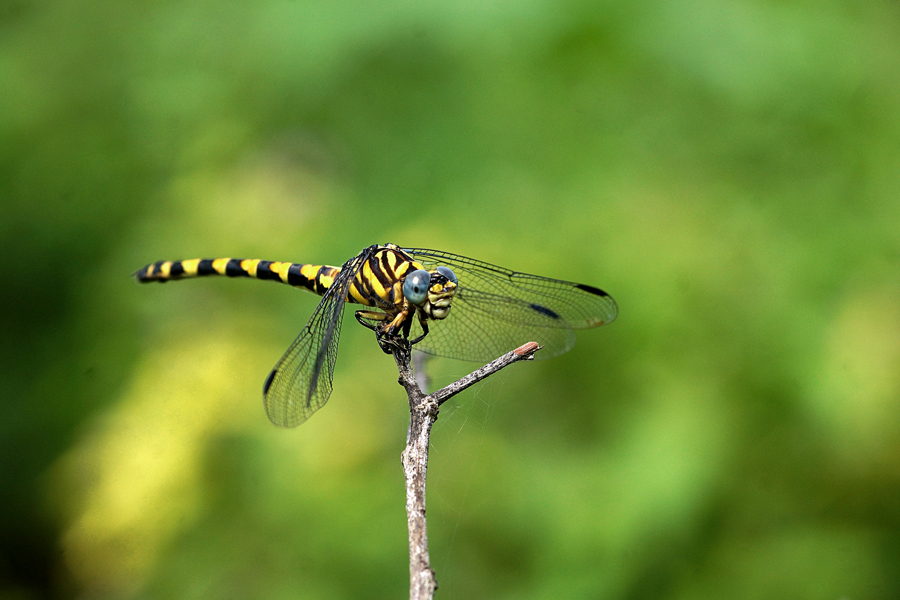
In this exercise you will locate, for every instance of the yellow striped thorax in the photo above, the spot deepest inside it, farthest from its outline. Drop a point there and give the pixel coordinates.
(381, 280)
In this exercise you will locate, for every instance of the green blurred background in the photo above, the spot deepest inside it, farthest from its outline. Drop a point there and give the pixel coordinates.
(728, 171)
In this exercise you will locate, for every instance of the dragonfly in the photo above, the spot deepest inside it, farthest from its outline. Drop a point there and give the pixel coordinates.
(437, 302)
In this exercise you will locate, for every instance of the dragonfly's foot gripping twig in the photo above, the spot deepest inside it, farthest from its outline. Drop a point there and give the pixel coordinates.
(392, 344)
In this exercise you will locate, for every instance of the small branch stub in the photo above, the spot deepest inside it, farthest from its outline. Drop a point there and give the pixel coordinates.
(423, 412)
(528, 349)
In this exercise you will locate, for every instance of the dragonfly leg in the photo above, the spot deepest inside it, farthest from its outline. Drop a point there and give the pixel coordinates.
(399, 323)
(365, 316)
(424, 325)
(395, 335)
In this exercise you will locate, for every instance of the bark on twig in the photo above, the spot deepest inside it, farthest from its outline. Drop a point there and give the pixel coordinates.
(423, 412)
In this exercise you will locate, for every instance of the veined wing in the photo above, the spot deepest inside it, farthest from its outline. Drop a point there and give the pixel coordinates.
(496, 310)
(300, 383)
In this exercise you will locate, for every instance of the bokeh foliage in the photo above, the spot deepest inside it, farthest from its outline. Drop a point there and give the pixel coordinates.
(727, 170)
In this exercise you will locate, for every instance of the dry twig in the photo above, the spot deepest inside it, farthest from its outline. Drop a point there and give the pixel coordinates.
(423, 412)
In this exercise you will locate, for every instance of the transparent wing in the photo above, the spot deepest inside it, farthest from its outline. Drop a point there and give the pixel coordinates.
(300, 383)
(495, 310)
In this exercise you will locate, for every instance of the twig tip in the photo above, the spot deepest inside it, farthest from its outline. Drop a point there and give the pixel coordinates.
(529, 348)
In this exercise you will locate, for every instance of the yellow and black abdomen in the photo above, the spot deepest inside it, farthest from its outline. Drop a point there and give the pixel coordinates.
(376, 282)
(315, 278)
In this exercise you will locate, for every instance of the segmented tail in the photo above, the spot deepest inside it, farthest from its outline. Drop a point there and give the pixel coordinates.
(315, 278)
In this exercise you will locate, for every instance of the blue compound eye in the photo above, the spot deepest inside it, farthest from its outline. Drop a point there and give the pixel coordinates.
(415, 288)
(447, 273)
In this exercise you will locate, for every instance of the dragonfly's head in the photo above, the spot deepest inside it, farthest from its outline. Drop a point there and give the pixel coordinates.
(431, 291)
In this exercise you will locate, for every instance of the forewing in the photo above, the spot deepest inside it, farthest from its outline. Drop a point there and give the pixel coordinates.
(495, 310)
(300, 383)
